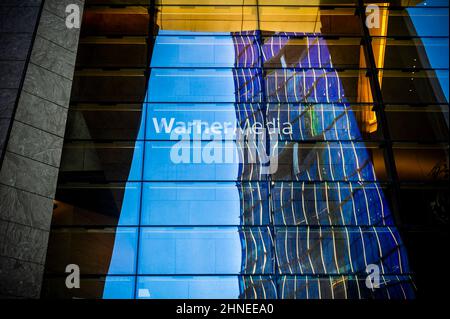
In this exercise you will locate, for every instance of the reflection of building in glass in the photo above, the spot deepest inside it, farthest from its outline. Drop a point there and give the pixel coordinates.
(330, 218)
(308, 230)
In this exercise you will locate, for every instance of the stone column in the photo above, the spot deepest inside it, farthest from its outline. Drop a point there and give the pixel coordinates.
(29, 171)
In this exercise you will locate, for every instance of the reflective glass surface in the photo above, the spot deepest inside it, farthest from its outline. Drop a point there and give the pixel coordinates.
(167, 190)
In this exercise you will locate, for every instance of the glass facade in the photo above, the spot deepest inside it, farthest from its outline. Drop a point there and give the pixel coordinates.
(253, 150)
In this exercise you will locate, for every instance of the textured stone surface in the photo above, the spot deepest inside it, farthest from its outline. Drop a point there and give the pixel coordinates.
(53, 57)
(29, 175)
(14, 46)
(47, 85)
(11, 74)
(7, 100)
(21, 3)
(25, 208)
(41, 114)
(20, 278)
(35, 144)
(54, 29)
(23, 242)
(18, 18)
(4, 125)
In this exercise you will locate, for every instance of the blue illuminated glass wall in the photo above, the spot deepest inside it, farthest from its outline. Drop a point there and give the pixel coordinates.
(220, 230)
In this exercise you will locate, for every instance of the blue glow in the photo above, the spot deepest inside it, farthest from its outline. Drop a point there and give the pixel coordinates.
(437, 55)
(205, 252)
(345, 191)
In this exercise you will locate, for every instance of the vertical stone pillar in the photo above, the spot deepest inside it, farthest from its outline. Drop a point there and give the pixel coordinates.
(29, 171)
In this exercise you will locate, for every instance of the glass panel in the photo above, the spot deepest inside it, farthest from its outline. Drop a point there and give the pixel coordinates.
(205, 250)
(205, 204)
(207, 18)
(425, 205)
(290, 18)
(100, 162)
(121, 20)
(119, 287)
(193, 51)
(109, 86)
(297, 51)
(110, 287)
(327, 250)
(253, 2)
(119, 52)
(97, 204)
(91, 250)
(122, 2)
(103, 122)
(195, 85)
(417, 22)
(306, 2)
(427, 123)
(310, 85)
(308, 19)
(210, 287)
(206, 2)
(415, 3)
(424, 162)
(343, 161)
(330, 204)
(427, 53)
(412, 87)
(345, 287)
(198, 161)
(323, 121)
